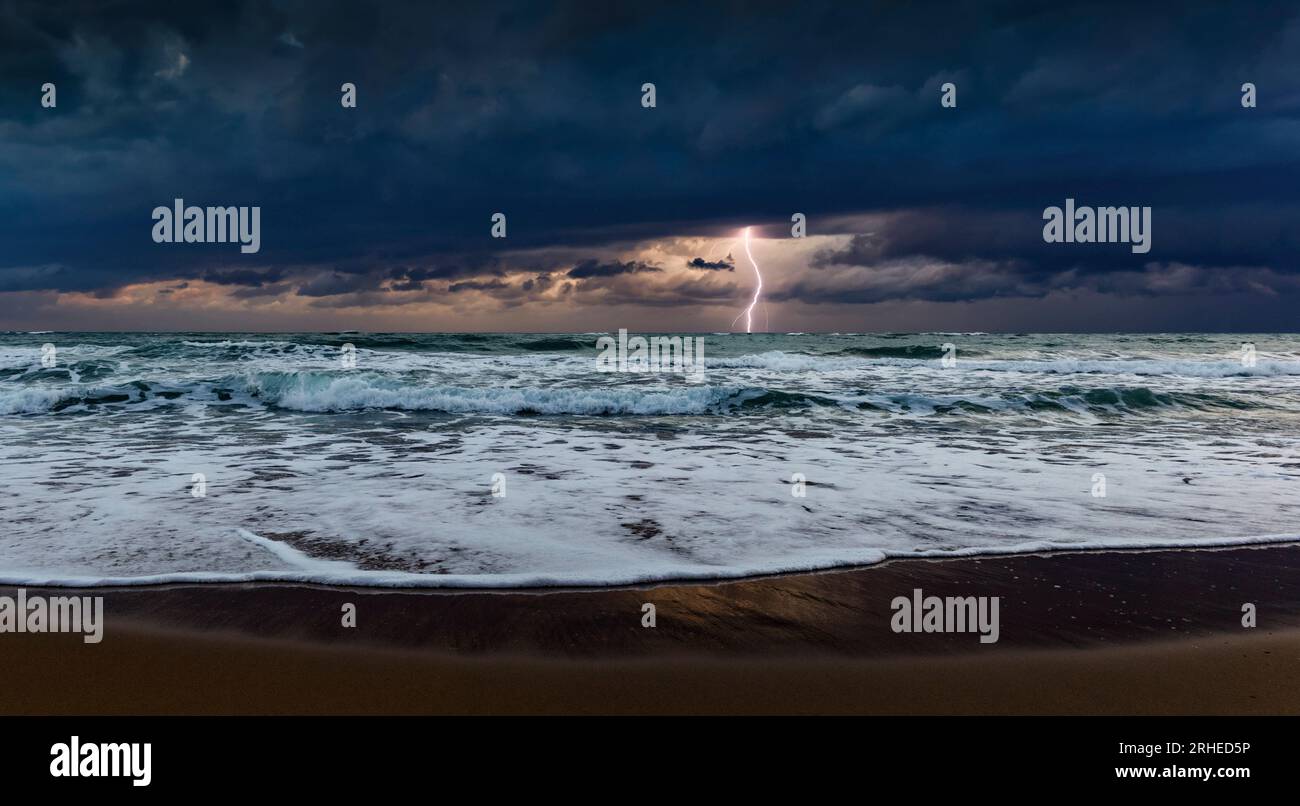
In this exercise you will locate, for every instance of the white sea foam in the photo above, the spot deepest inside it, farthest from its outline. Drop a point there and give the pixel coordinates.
(340, 575)
(297, 559)
(30, 400)
(318, 392)
(797, 362)
(319, 474)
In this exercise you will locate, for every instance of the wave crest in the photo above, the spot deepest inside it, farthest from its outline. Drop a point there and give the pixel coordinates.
(328, 392)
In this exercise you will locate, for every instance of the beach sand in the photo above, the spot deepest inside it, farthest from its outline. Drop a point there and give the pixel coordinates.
(1154, 632)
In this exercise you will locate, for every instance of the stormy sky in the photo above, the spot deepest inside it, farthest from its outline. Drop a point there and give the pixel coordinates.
(919, 217)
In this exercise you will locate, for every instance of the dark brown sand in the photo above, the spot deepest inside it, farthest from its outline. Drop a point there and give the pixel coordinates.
(1091, 633)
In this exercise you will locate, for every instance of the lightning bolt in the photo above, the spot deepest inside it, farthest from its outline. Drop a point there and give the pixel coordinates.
(758, 290)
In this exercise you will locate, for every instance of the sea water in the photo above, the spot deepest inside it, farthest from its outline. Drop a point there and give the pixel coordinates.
(513, 459)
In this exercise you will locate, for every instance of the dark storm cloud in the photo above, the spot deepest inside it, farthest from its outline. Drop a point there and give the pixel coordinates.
(982, 280)
(534, 110)
(595, 269)
(476, 285)
(1201, 234)
(261, 291)
(244, 277)
(688, 292)
(540, 283)
(714, 265)
(335, 283)
(408, 278)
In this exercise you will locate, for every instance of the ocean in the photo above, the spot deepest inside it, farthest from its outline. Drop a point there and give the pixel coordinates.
(501, 460)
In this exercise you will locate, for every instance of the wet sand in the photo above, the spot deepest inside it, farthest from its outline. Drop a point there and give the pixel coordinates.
(1091, 633)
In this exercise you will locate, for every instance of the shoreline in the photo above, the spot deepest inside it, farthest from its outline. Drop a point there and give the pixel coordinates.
(1140, 631)
(387, 581)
